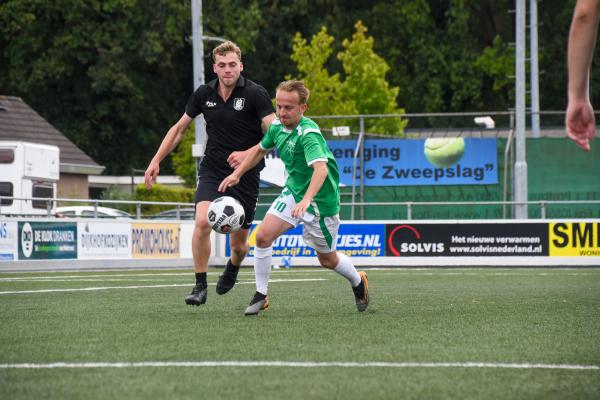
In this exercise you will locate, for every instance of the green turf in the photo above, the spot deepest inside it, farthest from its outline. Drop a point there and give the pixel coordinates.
(525, 316)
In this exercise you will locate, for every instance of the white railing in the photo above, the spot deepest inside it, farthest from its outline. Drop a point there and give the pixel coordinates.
(408, 206)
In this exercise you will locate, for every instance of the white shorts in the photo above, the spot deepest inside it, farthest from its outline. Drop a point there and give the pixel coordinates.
(320, 233)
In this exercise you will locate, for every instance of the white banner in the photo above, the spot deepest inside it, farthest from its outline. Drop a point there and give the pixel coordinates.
(8, 241)
(185, 239)
(99, 240)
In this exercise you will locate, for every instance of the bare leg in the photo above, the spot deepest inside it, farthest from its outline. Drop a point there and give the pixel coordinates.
(239, 246)
(328, 260)
(239, 249)
(201, 253)
(343, 265)
(269, 230)
(201, 238)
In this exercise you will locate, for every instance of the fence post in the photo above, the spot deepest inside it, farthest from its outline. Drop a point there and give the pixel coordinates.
(49, 207)
(543, 209)
(409, 210)
(95, 208)
(138, 211)
(362, 168)
(356, 150)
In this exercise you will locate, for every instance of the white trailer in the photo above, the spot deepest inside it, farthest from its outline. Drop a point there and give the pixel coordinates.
(27, 170)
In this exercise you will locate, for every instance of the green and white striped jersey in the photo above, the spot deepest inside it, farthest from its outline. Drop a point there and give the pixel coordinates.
(299, 149)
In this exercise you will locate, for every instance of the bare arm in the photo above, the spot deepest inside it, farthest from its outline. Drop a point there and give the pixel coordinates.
(316, 181)
(170, 141)
(582, 41)
(253, 157)
(266, 122)
(580, 120)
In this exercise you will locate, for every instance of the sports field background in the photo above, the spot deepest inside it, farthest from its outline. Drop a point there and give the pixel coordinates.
(428, 333)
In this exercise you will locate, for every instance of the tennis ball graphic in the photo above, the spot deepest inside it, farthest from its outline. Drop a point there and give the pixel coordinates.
(444, 152)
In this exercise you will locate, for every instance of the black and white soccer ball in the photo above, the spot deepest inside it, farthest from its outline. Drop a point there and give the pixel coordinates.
(225, 215)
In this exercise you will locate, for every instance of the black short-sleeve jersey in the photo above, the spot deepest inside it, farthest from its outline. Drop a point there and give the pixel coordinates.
(234, 125)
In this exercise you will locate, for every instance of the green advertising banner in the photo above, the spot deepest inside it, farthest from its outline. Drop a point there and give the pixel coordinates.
(47, 240)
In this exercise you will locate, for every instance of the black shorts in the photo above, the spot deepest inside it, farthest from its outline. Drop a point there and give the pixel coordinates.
(246, 191)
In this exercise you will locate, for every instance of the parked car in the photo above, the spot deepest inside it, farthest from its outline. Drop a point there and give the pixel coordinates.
(184, 213)
(90, 212)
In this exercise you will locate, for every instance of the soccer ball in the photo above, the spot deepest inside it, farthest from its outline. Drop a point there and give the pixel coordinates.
(225, 215)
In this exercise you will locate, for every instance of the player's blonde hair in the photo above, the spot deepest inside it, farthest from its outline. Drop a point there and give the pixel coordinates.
(224, 48)
(295, 86)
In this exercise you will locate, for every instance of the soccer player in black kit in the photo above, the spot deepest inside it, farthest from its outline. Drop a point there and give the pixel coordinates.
(237, 112)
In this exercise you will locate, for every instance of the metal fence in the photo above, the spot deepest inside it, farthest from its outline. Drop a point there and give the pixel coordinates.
(425, 125)
(421, 125)
(177, 208)
(51, 208)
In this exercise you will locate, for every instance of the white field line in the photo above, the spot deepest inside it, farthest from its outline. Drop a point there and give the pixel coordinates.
(297, 364)
(91, 289)
(60, 277)
(109, 280)
(490, 273)
(380, 271)
(26, 278)
(131, 275)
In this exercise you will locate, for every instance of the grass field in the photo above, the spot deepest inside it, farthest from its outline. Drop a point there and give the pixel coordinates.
(428, 334)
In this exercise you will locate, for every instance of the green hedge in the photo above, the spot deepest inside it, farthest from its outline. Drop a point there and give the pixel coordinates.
(162, 193)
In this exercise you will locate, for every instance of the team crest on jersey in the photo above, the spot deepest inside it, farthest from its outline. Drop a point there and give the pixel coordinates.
(238, 103)
(291, 147)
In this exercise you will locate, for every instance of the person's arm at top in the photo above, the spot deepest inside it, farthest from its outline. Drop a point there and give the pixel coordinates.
(253, 157)
(580, 120)
(170, 141)
(316, 181)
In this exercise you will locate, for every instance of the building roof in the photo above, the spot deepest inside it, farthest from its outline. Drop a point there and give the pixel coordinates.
(20, 122)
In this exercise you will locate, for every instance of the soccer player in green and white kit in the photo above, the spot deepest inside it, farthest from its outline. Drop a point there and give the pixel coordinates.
(311, 194)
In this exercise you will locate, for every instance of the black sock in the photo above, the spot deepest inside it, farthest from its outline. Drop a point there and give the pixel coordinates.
(201, 278)
(231, 266)
(359, 290)
(259, 296)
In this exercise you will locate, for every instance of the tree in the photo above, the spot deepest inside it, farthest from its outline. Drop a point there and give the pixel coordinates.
(221, 18)
(364, 90)
(183, 162)
(405, 35)
(366, 85)
(463, 78)
(433, 46)
(554, 23)
(327, 94)
(114, 75)
(98, 70)
(497, 64)
(280, 21)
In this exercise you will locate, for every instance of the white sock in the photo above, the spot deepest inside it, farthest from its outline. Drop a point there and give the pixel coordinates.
(262, 267)
(347, 270)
